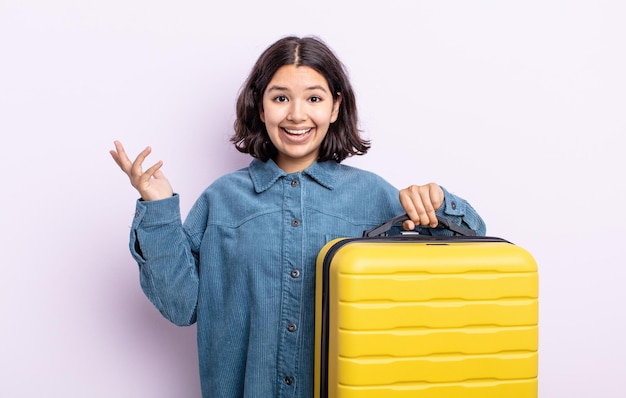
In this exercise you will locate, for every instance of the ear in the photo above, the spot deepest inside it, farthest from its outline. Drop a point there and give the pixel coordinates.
(262, 114)
(336, 105)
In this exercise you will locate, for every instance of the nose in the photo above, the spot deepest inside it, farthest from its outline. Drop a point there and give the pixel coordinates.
(297, 112)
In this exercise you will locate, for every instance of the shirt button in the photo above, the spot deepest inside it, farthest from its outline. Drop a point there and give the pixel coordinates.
(295, 273)
(294, 183)
(295, 222)
(453, 205)
(288, 380)
(292, 327)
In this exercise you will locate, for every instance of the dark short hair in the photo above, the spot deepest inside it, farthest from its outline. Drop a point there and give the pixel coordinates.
(343, 138)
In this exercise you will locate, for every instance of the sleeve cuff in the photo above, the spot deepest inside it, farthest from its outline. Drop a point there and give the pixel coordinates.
(452, 205)
(161, 211)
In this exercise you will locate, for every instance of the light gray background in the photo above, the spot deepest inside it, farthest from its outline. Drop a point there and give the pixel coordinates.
(519, 106)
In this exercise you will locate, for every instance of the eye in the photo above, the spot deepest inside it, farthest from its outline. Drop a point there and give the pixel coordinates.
(315, 99)
(280, 98)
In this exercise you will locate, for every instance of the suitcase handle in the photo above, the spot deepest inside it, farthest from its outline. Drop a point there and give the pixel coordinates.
(441, 223)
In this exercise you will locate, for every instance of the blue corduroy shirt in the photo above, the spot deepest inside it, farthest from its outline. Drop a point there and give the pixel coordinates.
(242, 266)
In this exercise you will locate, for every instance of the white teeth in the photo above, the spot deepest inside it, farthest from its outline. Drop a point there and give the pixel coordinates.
(297, 132)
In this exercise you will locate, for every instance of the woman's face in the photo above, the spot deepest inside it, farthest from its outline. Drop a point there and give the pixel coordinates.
(298, 108)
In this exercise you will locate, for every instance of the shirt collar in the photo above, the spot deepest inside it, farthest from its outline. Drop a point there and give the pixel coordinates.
(265, 174)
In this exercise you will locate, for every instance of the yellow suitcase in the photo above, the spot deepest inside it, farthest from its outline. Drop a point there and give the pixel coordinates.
(426, 317)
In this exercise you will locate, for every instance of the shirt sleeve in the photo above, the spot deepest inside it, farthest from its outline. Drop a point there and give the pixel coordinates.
(167, 266)
(459, 211)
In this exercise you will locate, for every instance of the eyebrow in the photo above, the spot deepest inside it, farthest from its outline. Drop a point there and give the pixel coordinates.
(310, 88)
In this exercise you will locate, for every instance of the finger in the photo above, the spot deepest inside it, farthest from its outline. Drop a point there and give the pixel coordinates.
(420, 203)
(430, 217)
(119, 148)
(116, 158)
(408, 225)
(436, 199)
(408, 205)
(120, 157)
(137, 166)
(154, 171)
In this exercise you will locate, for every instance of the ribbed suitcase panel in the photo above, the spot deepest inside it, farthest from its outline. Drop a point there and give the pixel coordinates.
(422, 320)
(437, 314)
(482, 389)
(436, 369)
(424, 342)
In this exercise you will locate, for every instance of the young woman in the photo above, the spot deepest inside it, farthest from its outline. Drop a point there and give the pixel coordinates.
(242, 265)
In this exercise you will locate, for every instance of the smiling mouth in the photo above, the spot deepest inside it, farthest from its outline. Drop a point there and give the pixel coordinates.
(296, 132)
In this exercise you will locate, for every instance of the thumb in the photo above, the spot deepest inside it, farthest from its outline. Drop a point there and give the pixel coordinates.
(159, 174)
(408, 225)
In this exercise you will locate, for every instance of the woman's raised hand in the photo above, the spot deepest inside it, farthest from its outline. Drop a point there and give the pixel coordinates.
(151, 183)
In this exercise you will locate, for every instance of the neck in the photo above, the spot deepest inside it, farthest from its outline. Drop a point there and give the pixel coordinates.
(293, 165)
